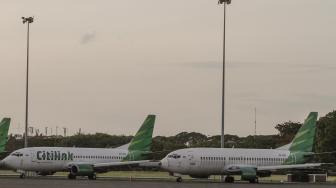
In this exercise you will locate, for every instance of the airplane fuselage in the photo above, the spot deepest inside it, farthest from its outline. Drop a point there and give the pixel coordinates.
(217, 161)
(46, 159)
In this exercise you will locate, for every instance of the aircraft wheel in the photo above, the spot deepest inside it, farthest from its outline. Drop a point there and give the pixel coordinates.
(92, 177)
(179, 179)
(255, 180)
(22, 175)
(229, 179)
(71, 176)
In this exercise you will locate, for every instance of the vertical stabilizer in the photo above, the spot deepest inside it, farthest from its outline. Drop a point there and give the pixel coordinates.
(142, 140)
(304, 139)
(4, 127)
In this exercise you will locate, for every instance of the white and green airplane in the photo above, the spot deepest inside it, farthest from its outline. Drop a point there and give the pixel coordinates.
(4, 127)
(83, 161)
(249, 163)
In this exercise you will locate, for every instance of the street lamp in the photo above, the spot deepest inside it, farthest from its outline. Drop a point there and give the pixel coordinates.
(27, 20)
(224, 2)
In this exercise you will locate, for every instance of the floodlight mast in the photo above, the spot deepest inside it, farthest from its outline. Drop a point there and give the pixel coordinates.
(27, 20)
(224, 2)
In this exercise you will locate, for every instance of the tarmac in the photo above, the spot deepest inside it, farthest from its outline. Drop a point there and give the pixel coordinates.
(9, 182)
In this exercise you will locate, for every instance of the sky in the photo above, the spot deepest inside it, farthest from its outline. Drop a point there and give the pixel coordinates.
(103, 65)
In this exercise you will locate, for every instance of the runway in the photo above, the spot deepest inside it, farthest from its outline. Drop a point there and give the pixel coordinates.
(82, 183)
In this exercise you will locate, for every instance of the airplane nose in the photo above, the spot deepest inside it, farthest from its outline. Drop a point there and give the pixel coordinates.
(2, 163)
(164, 163)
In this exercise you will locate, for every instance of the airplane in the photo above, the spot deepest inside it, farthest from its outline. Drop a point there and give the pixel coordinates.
(4, 127)
(83, 161)
(249, 163)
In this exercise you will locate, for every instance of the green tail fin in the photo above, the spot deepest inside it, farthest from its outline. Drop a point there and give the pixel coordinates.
(4, 127)
(304, 139)
(142, 141)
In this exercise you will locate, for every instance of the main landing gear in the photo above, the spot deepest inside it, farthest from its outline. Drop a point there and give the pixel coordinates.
(71, 176)
(255, 180)
(229, 179)
(92, 176)
(179, 179)
(23, 175)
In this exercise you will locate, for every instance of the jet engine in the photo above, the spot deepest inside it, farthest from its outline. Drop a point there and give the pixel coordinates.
(81, 170)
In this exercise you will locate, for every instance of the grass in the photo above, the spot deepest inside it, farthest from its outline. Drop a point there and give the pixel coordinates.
(164, 175)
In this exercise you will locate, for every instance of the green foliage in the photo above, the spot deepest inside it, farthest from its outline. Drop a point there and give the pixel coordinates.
(162, 145)
(287, 131)
(326, 137)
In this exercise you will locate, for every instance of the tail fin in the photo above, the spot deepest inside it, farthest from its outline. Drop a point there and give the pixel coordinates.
(4, 127)
(304, 139)
(142, 140)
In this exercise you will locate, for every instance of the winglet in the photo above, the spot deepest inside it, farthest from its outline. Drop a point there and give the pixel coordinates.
(4, 127)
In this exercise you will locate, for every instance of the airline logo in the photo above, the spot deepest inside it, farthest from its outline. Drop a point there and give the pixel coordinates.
(54, 156)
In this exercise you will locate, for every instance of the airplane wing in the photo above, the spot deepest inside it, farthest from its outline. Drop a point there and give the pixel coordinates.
(118, 164)
(234, 169)
(85, 168)
(294, 166)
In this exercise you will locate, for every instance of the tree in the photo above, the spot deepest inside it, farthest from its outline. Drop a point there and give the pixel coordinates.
(287, 131)
(325, 137)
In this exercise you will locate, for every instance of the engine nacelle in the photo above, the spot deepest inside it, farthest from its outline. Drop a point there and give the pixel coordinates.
(248, 174)
(81, 169)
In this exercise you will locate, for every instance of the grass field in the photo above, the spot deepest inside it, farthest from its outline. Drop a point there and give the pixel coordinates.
(162, 175)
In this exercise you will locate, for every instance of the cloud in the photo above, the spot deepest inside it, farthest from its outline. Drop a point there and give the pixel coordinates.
(88, 37)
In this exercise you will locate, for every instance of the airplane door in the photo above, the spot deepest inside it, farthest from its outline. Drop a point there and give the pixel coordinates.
(222, 164)
(33, 158)
(190, 161)
(25, 160)
(21, 162)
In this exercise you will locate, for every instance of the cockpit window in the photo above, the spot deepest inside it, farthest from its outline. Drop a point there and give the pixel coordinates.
(17, 154)
(175, 156)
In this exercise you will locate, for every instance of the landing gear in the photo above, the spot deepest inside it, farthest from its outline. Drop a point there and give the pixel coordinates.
(23, 175)
(92, 177)
(179, 179)
(255, 180)
(229, 179)
(71, 176)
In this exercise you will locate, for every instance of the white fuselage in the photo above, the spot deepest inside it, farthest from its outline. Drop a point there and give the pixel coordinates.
(53, 159)
(216, 161)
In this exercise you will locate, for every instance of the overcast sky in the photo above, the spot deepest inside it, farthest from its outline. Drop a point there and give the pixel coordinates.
(104, 65)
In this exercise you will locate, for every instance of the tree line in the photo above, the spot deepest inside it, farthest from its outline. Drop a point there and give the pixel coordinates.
(325, 140)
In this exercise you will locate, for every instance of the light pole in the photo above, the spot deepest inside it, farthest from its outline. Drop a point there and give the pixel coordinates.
(27, 20)
(224, 2)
